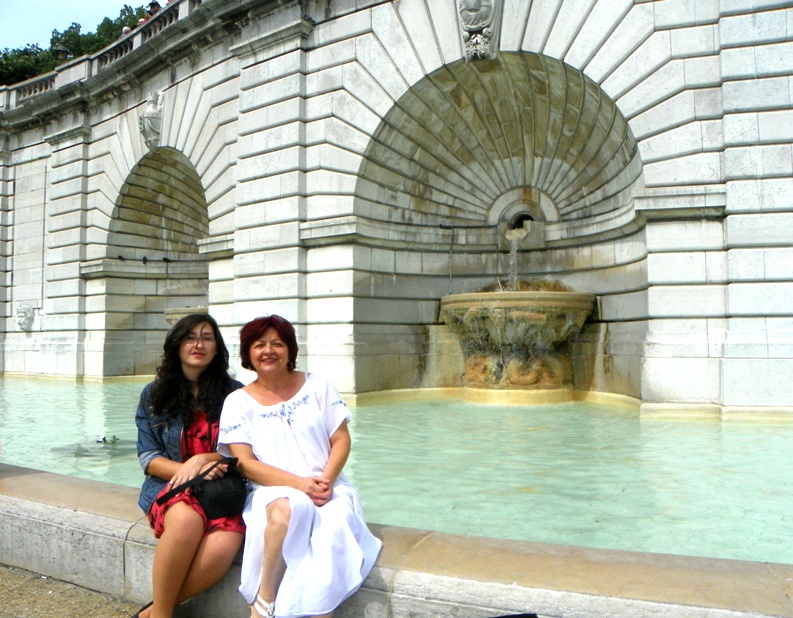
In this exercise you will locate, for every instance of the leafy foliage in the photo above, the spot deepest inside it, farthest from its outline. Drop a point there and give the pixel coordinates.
(17, 65)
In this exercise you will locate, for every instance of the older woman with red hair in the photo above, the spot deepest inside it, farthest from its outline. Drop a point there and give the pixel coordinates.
(307, 547)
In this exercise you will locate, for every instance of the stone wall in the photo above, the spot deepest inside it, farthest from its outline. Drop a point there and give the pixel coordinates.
(346, 164)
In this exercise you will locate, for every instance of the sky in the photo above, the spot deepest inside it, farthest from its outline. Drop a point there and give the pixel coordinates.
(32, 21)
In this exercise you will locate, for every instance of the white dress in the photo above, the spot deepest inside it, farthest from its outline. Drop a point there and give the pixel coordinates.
(328, 550)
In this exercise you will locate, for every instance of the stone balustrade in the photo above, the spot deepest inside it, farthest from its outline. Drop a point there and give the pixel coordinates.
(90, 65)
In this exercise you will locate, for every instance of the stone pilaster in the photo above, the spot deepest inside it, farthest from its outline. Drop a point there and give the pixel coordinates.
(269, 267)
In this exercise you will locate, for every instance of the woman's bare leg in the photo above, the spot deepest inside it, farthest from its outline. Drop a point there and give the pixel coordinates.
(279, 514)
(212, 560)
(184, 529)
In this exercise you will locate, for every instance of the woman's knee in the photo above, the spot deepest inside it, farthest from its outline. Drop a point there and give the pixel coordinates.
(183, 518)
(279, 512)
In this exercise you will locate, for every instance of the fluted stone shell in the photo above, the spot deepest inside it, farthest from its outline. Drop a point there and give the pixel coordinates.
(471, 132)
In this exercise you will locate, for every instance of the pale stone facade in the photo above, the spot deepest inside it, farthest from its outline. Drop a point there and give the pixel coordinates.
(346, 164)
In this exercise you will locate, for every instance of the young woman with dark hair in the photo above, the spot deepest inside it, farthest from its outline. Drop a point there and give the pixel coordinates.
(307, 546)
(177, 420)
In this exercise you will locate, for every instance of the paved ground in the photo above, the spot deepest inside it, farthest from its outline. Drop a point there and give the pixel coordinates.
(28, 595)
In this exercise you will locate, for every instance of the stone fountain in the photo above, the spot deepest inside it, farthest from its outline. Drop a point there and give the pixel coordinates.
(516, 334)
(517, 339)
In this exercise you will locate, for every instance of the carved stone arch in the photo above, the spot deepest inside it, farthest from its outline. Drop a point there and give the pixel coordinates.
(466, 137)
(161, 210)
(153, 269)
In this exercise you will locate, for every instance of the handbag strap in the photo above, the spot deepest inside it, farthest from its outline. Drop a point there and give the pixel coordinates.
(193, 481)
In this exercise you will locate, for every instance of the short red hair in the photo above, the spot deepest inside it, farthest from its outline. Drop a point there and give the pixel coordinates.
(255, 329)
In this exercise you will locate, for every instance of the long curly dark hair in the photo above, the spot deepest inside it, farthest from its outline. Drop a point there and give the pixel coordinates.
(172, 394)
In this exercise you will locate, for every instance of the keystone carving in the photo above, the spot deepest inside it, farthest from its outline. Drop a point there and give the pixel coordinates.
(151, 120)
(480, 21)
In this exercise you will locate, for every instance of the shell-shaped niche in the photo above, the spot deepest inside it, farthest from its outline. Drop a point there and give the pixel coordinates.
(470, 133)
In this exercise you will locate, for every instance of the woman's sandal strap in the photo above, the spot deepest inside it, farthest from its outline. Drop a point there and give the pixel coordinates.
(147, 606)
(264, 608)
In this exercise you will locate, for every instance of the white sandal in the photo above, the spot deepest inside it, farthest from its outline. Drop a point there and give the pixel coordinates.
(264, 608)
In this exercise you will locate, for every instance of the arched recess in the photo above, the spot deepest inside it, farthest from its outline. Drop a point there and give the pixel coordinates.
(153, 269)
(161, 210)
(466, 144)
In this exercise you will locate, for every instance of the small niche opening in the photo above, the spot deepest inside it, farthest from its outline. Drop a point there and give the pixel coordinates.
(518, 220)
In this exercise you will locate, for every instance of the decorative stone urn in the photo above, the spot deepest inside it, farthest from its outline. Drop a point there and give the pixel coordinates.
(516, 340)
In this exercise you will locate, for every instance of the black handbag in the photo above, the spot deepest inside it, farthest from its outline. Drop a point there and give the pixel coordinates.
(220, 497)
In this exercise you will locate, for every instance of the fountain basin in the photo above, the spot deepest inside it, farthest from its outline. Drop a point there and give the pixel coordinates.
(517, 339)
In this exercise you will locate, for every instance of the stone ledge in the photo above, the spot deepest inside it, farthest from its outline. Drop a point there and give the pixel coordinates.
(136, 269)
(93, 534)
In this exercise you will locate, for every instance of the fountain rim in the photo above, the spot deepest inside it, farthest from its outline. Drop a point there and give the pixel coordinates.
(555, 298)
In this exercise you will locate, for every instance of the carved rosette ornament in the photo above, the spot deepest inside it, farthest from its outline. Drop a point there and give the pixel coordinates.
(151, 120)
(480, 21)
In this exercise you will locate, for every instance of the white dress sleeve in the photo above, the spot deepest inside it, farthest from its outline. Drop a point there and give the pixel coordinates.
(332, 407)
(235, 422)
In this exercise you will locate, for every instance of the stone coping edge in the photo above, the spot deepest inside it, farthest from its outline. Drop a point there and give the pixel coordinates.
(680, 411)
(505, 397)
(93, 535)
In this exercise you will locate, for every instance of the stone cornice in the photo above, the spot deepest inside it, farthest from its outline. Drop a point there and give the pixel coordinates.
(361, 231)
(135, 269)
(291, 37)
(79, 134)
(682, 203)
(629, 219)
(216, 246)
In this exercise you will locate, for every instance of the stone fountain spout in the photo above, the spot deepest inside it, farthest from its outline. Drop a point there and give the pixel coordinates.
(518, 233)
(518, 339)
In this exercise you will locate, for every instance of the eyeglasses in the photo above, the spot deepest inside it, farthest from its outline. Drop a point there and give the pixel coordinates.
(204, 340)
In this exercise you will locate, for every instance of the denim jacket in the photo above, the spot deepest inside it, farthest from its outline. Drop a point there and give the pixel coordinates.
(158, 438)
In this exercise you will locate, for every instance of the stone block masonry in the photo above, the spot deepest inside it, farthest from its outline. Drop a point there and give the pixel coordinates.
(348, 163)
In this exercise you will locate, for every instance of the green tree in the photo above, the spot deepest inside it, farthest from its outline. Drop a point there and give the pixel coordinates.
(110, 29)
(17, 65)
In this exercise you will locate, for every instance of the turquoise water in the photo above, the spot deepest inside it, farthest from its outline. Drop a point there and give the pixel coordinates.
(575, 474)
(54, 425)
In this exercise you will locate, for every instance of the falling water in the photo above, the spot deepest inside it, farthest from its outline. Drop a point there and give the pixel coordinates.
(513, 264)
(514, 236)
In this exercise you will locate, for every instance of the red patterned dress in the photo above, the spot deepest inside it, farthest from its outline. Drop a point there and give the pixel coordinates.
(200, 437)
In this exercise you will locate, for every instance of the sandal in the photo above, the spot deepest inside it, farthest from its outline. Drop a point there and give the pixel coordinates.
(137, 613)
(264, 608)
